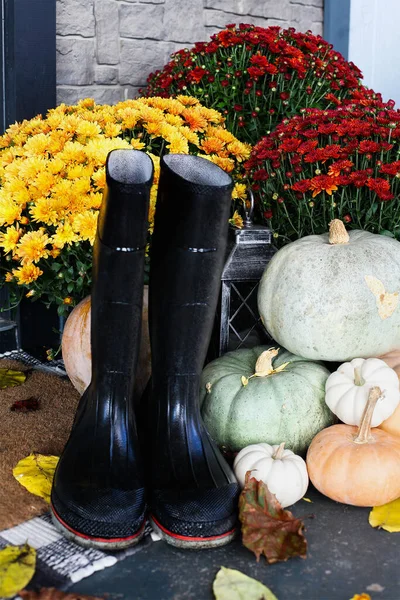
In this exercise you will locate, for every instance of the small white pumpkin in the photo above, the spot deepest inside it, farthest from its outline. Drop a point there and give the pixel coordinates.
(347, 390)
(281, 470)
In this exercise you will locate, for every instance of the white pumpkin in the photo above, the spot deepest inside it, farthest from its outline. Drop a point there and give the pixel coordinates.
(281, 470)
(334, 297)
(347, 390)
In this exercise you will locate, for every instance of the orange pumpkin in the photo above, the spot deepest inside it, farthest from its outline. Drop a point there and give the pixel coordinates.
(76, 349)
(359, 466)
(392, 424)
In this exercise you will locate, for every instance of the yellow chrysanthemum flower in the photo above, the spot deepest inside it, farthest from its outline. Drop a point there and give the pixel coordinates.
(137, 144)
(194, 119)
(87, 130)
(240, 150)
(73, 152)
(227, 164)
(32, 247)
(212, 145)
(220, 133)
(178, 144)
(188, 100)
(94, 200)
(9, 211)
(112, 130)
(64, 235)
(85, 225)
(239, 191)
(43, 182)
(29, 168)
(9, 277)
(236, 220)
(99, 178)
(27, 274)
(37, 145)
(175, 120)
(10, 238)
(153, 128)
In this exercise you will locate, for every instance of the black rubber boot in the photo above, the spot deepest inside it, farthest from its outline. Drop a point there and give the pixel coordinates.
(193, 492)
(98, 497)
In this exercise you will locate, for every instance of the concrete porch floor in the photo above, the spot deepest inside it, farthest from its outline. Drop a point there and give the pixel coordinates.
(346, 556)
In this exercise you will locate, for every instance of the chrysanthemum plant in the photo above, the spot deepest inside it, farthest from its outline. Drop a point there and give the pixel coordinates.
(324, 165)
(52, 177)
(257, 76)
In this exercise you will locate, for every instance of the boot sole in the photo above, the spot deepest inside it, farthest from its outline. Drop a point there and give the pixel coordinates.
(191, 543)
(96, 542)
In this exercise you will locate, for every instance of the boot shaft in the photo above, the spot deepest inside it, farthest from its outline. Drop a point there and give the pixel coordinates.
(187, 257)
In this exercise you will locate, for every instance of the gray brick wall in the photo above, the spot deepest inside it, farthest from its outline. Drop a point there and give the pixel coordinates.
(106, 48)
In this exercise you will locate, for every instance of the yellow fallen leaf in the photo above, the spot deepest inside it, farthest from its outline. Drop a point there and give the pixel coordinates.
(35, 473)
(11, 378)
(244, 380)
(306, 499)
(230, 584)
(17, 566)
(387, 516)
(362, 596)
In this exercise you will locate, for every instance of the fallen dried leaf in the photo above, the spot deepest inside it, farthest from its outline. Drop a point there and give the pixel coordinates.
(17, 566)
(28, 405)
(362, 596)
(35, 473)
(11, 378)
(386, 516)
(53, 594)
(230, 584)
(266, 527)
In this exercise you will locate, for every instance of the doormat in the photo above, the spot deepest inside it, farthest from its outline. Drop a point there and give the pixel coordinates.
(59, 562)
(45, 430)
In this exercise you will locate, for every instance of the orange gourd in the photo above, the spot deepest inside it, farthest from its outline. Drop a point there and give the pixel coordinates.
(392, 424)
(359, 466)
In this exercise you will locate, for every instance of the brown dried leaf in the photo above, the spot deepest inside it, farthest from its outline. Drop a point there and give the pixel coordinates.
(266, 527)
(28, 405)
(53, 594)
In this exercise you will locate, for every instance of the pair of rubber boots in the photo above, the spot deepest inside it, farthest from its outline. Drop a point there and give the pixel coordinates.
(113, 474)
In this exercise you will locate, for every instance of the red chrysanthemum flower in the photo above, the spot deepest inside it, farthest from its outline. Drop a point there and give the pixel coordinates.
(287, 70)
(349, 150)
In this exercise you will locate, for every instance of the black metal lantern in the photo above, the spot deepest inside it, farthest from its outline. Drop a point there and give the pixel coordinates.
(249, 251)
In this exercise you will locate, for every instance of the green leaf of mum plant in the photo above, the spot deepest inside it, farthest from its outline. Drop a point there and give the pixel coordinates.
(17, 566)
(11, 378)
(230, 584)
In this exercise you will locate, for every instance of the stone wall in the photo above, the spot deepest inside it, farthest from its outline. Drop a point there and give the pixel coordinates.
(106, 48)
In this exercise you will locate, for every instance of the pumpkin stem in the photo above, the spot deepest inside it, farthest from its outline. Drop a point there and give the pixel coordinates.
(264, 363)
(358, 380)
(338, 233)
(364, 431)
(279, 451)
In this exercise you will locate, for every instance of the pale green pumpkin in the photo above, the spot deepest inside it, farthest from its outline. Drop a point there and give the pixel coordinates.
(286, 405)
(334, 297)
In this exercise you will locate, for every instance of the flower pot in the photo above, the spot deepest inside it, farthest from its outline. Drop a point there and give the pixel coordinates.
(76, 349)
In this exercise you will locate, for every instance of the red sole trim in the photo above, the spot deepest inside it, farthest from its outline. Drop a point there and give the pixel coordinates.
(191, 539)
(97, 539)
